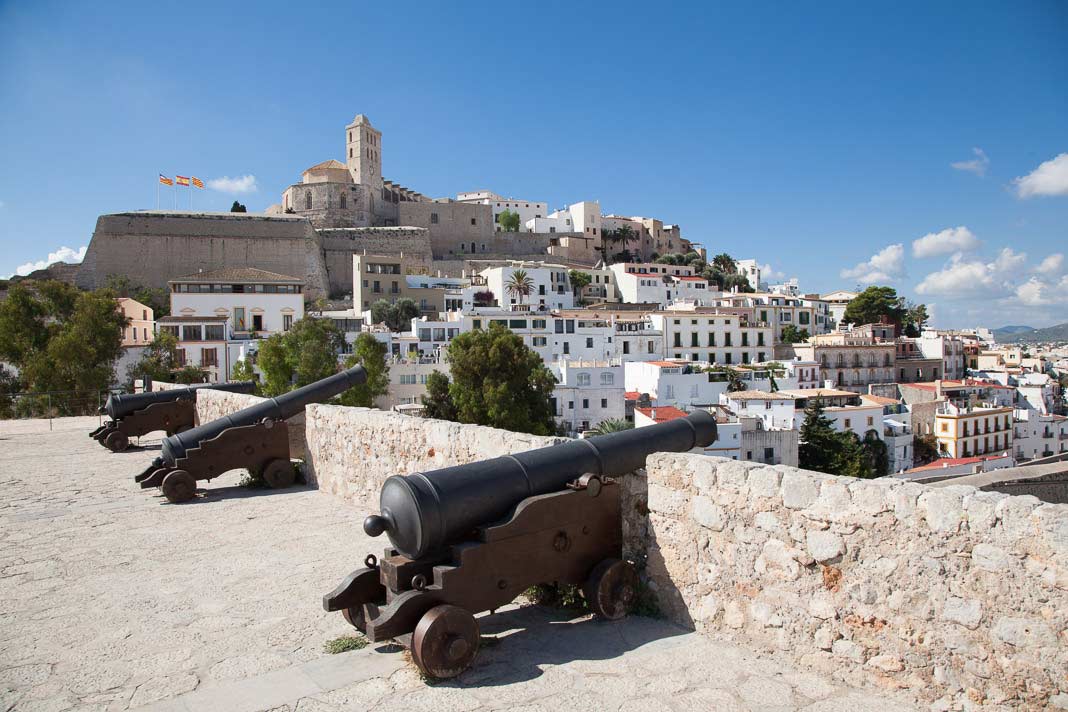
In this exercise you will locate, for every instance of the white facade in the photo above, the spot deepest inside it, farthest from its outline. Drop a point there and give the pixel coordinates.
(673, 384)
(526, 209)
(550, 286)
(583, 218)
(589, 392)
(949, 348)
(637, 340)
(775, 412)
(725, 338)
(751, 270)
(1036, 435)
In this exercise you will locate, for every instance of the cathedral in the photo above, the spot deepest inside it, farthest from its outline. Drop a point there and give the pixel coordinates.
(332, 194)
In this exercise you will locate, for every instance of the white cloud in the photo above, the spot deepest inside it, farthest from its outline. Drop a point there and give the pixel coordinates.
(963, 277)
(886, 265)
(1050, 178)
(1051, 265)
(237, 186)
(977, 165)
(771, 275)
(63, 254)
(946, 242)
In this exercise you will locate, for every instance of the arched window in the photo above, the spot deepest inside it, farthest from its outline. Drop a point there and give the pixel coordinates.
(343, 203)
(608, 379)
(584, 379)
(307, 200)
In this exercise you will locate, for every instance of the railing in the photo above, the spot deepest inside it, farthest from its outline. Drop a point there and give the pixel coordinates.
(52, 404)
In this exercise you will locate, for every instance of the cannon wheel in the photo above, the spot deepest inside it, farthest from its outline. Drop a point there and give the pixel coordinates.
(117, 441)
(179, 486)
(279, 473)
(611, 589)
(445, 641)
(354, 615)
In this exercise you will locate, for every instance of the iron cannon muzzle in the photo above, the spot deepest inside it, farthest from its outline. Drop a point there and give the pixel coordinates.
(424, 512)
(122, 404)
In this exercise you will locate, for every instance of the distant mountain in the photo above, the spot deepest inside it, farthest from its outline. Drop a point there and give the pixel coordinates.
(1050, 333)
(1010, 330)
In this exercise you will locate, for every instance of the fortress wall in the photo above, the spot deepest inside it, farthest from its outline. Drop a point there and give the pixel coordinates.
(959, 595)
(154, 247)
(338, 247)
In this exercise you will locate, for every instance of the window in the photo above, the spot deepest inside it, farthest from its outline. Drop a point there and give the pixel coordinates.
(871, 420)
(608, 379)
(539, 341)
(652, 347)
(567, 348)
(192, 333)
(179, 356)
(209, 357)
(343, 204)
(848, 423)
(604, 402)
(214, 332)
(472, 221)
(585, 403)
(769, 454)
(239, 319)
(434, 219)
(257, 322)
(172, 330)
(307, 200)
(583, 379)
(626, 347)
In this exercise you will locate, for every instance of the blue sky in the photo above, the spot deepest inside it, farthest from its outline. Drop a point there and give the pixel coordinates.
(818, 139)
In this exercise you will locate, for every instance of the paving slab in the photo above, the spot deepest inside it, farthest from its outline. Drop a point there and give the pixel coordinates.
(113, 599)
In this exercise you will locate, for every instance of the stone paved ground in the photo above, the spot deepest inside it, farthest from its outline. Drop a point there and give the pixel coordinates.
(112, 599)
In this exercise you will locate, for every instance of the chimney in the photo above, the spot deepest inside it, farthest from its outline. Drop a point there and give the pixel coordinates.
(653, 411)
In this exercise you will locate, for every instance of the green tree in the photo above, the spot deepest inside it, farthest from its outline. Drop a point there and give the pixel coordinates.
(189, 374)
(242, 370)
(9, 386)
(158, 300)
(725, 263)
(370, 353)
(498, 381)
(397, 316)
(238, 208)
(825, 450)
(579, 280)
(874, 303)
(437, 403)
(792, 335)
(612, 425)
(876, 454)
(915, 319)
(509, 221)
(519, 284)
(304, 354)
(158, 361)
(924, 450)
(23, 329)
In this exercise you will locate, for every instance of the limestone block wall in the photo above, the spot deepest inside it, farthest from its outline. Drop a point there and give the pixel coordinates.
(153, 247)
(958, 595)
(351, 451)
(212, 405)
(339, 245)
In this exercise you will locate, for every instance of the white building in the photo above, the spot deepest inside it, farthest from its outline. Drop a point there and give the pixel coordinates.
(1037, 435)
(718, 337)
(775, 411)
(588, 393)
(673, 383)
(652, 283)
(751, 270)
(218, 316)
(526, 209)
(837, 302)
(550, 287)
(946, 346)
(407, 380)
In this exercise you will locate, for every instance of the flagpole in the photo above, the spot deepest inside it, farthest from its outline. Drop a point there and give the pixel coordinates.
(176, 194)
(157, 192)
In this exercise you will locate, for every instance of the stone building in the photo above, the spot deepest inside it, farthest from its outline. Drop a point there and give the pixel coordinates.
(849, 361)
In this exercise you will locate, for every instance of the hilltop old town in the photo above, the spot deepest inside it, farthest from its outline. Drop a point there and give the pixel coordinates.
(849, 508)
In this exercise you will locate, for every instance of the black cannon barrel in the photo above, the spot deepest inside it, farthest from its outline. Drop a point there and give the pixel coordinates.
(119, 405)
(280, 408)
(425, 511)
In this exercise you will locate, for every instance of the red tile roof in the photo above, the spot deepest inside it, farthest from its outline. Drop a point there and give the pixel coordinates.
(951, 461)
(632, 395)
(664, 413)
(665, 364)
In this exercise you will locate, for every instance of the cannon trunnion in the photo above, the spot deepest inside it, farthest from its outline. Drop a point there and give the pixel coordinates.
(471, 538)
(255, 438)
(136, 414)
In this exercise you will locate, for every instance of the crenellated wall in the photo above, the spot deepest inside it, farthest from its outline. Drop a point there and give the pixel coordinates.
(958, 595)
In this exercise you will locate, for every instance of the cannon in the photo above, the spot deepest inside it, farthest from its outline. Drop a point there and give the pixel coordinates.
(255, 438)
(136, 414)
(471, 538)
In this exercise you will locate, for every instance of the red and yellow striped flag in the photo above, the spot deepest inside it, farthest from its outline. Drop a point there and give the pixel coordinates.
(165, 180)
(197, 183)
(182, 180)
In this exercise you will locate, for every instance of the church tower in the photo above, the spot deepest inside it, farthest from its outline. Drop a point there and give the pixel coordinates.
(363, 151)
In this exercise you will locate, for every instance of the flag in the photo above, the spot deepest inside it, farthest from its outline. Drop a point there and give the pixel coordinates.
(182, 180)
(197, 183)
(165, 180)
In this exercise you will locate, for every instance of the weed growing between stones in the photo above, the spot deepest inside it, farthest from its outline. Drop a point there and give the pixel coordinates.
(345, 643)
(564, 596)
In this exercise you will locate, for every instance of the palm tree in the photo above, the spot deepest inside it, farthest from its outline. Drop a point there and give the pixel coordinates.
(519, 284)
(612, 425)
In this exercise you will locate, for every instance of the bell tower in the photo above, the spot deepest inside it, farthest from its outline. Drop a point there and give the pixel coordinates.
(363, 153)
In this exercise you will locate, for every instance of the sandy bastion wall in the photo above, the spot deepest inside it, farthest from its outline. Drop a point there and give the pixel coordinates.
(959, 595)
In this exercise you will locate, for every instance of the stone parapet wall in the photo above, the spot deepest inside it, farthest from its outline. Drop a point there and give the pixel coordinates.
(957, 595)
(351, 451)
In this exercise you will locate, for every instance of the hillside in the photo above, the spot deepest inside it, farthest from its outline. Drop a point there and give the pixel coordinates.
(1050, 333)
(1006, 331)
